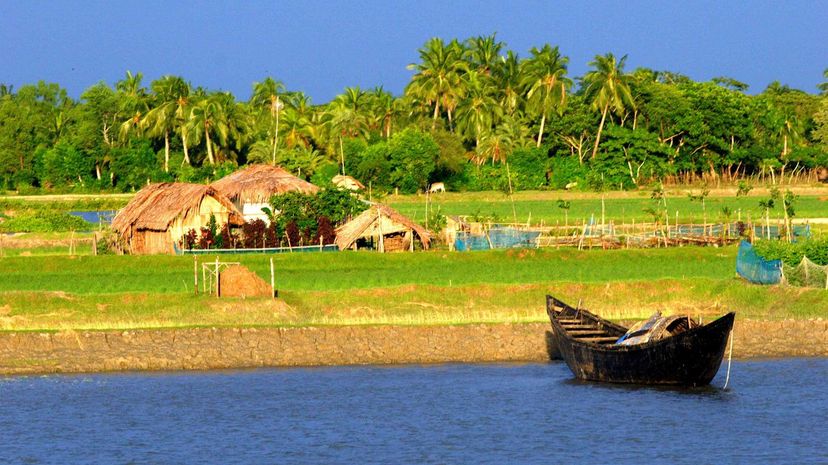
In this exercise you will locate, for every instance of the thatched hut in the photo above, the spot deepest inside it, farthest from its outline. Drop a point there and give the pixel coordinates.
(347, 182)
(384, 228)
(154, 221)
(251, 188)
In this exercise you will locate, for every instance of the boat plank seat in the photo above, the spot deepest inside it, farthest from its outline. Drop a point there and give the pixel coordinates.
(577, 327)
(600, 339)
(588, 332)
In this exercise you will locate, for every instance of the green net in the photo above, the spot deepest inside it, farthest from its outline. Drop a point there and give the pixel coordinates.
(806, 274)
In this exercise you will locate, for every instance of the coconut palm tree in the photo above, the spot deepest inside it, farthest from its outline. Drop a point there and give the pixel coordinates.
(507, 79)
(437, 80)
(208, 117)
(545, 81)
(266, 99)
(133, 102)
(479, 110)
(823, 87)
(169, 113)
(607, 88)
(483, 52)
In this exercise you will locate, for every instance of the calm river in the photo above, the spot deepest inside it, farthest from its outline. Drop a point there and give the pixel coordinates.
(774, 412)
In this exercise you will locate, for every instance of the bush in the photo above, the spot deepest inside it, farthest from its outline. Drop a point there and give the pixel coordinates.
(413, 156)
(45, 221)
(565, 170)
(528, 168)
(791, 253)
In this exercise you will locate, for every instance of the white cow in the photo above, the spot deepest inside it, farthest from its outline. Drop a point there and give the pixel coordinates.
(437, 187)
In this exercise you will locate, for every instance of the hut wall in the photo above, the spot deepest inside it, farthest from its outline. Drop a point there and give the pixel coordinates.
(200, 219)
(148, 242)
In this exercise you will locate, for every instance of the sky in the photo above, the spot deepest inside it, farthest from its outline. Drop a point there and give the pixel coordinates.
(321, 47)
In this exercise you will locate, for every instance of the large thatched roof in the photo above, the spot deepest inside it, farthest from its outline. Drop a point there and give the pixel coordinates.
(157, 205)
(349, 232)
(258, 183)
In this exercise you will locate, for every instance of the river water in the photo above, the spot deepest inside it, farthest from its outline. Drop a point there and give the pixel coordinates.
(773, 412)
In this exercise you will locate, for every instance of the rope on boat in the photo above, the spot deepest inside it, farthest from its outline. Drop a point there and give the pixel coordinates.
(729, 356)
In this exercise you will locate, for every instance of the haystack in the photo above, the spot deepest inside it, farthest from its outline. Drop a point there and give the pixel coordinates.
(238, 281)
(159, 215)
(384, 228)
(347, 182)
(251, 188)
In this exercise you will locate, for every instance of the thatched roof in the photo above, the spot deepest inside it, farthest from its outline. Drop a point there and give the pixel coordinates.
(258, 183)
(157, 205)
(349, 232)
(347, 182)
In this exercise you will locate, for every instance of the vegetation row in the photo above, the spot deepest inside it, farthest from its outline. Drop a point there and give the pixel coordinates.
(475, 116)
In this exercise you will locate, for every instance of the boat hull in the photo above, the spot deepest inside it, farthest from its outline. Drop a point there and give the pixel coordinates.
(691, 358)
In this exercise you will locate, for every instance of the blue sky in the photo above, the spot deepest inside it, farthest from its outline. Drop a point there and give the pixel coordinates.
(320, 47)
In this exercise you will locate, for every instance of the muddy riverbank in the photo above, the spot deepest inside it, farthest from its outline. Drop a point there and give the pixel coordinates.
(217, 348)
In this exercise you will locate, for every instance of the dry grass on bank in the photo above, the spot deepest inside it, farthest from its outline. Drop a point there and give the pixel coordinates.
(407, 305)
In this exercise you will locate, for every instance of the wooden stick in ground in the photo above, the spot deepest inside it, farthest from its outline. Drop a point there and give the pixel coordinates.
(195, 274)
(218, 281)
(272, 278)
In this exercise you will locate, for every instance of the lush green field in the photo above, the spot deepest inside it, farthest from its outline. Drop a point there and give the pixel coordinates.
(366, 270)
(366, 288)
(543, 207)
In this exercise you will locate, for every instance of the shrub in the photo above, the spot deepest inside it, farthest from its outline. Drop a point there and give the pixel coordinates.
(45, 221)
(791, 253)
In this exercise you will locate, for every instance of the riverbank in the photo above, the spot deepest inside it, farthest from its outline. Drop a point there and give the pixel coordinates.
(222, 348)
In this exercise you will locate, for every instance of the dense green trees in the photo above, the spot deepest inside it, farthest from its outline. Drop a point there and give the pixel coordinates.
(475, 115)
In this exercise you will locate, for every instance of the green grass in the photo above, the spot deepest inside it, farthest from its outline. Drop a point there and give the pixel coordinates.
(106, 292)
(497, 207)
(366, 270)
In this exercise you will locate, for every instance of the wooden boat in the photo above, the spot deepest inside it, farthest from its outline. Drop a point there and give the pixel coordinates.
(688, 354)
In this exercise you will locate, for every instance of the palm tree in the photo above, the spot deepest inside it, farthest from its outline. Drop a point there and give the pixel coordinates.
(823, 87)
(544, 77)
(383, 107)
(438, 75)
(495, 144)
(133, 101)
(607, 88)
(479, 110)
(266, 98)
(507, 78)
(484, 52)
(169, 114)
(208, 116)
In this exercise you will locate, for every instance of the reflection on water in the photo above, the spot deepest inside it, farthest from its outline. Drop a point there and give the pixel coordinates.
(774, 411)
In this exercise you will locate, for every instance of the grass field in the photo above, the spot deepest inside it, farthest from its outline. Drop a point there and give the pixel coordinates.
(55, 292)
(538, 207)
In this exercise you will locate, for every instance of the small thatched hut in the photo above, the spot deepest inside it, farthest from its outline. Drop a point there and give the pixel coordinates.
(347, 182)
(251, 188)
(384, 228)
(154, 221)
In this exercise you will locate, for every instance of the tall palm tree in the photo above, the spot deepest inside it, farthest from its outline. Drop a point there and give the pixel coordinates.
(438, 75)
(169, 113)
(484, 52)
(133, 102)
(266, 98)
(384, 108)
(544, 77)
(607, 88)
(208, 117)
(479, 110)
(507, 78)
(823, 87)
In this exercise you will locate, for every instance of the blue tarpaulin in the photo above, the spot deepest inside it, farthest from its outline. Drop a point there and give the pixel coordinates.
(756, 269)
(496, 238)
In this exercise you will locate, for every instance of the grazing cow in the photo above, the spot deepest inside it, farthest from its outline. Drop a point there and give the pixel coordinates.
(437, 187)
(822, 174)
(571, 185)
